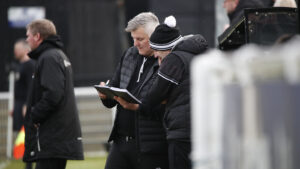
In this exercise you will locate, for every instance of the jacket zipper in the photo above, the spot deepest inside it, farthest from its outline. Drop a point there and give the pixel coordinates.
(148, 77)
(38, 140)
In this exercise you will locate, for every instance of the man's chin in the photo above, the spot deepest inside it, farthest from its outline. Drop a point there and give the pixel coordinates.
(142, 53)
(145, 53)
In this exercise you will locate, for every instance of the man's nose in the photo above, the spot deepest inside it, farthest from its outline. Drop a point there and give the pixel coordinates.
(135, 43)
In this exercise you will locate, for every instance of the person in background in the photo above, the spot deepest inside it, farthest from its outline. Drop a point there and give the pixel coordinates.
(235, 8)
(23, 78)
(52, 128)
(139, 140)
(172, 86)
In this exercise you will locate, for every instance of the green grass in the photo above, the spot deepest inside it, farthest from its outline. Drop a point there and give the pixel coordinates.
(88, 163)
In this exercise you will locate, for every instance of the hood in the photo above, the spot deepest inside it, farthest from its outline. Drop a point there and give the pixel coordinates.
(194, 44)
(53, 41)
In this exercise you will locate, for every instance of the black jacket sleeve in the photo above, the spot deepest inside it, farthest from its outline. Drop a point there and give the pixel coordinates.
(52, 79)
(169, 75)
(158, 93)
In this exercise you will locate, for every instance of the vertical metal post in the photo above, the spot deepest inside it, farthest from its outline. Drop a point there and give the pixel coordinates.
(9, 118)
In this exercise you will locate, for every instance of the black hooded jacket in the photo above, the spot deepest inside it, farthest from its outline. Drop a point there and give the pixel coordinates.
(173, 86)
(52, 106)
(238, 13)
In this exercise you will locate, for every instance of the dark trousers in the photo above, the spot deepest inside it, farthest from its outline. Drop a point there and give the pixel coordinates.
(122, 155)
(179, 152)
(28, 165)
(153, 161)
(52, 163)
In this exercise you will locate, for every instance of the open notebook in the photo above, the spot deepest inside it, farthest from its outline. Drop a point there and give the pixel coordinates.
(110, 92)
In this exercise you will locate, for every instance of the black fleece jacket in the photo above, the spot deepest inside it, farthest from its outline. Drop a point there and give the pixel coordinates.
(52, 105)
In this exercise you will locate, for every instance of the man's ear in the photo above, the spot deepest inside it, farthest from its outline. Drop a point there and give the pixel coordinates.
(37, 37)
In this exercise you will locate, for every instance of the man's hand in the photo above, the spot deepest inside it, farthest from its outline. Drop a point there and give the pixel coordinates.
(164, 102)
(24, 110)
(101, 95)
(36, 125)
(126, 105)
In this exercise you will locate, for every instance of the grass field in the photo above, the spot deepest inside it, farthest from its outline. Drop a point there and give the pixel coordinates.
(88, 163)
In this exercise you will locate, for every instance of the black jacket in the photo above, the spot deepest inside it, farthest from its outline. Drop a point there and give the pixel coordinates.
(177, 94)
(52, 105)
(150, 134)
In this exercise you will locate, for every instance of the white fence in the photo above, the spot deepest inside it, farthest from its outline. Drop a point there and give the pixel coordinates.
(245, 107)
(6, 105)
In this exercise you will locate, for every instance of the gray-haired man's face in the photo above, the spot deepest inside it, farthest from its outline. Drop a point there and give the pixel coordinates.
(141, 41)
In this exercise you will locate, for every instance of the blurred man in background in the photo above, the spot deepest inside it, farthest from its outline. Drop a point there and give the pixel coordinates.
(23, 80)
(52, 128)
(235, 8)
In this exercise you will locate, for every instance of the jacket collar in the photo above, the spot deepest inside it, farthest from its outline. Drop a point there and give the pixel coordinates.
(53, 41)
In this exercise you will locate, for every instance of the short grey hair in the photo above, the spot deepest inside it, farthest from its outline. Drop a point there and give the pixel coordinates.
(147, 20)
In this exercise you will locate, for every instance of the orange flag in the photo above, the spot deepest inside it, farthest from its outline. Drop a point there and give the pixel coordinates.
(19, 147)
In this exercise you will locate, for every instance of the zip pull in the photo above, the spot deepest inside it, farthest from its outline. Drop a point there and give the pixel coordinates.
(38, 139)
(141, 69)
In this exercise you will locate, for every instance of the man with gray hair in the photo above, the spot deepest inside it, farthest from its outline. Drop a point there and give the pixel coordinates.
(139, 140)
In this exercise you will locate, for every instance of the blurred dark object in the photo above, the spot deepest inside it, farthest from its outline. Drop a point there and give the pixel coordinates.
(268, 3)
(265, 26)
(233, 37)
(261, 26)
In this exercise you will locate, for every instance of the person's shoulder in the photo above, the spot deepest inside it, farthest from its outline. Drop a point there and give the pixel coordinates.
(173, 57)
(53, 55)
(130, 53)
(29, 63)
(132, 50)
(171, 62)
